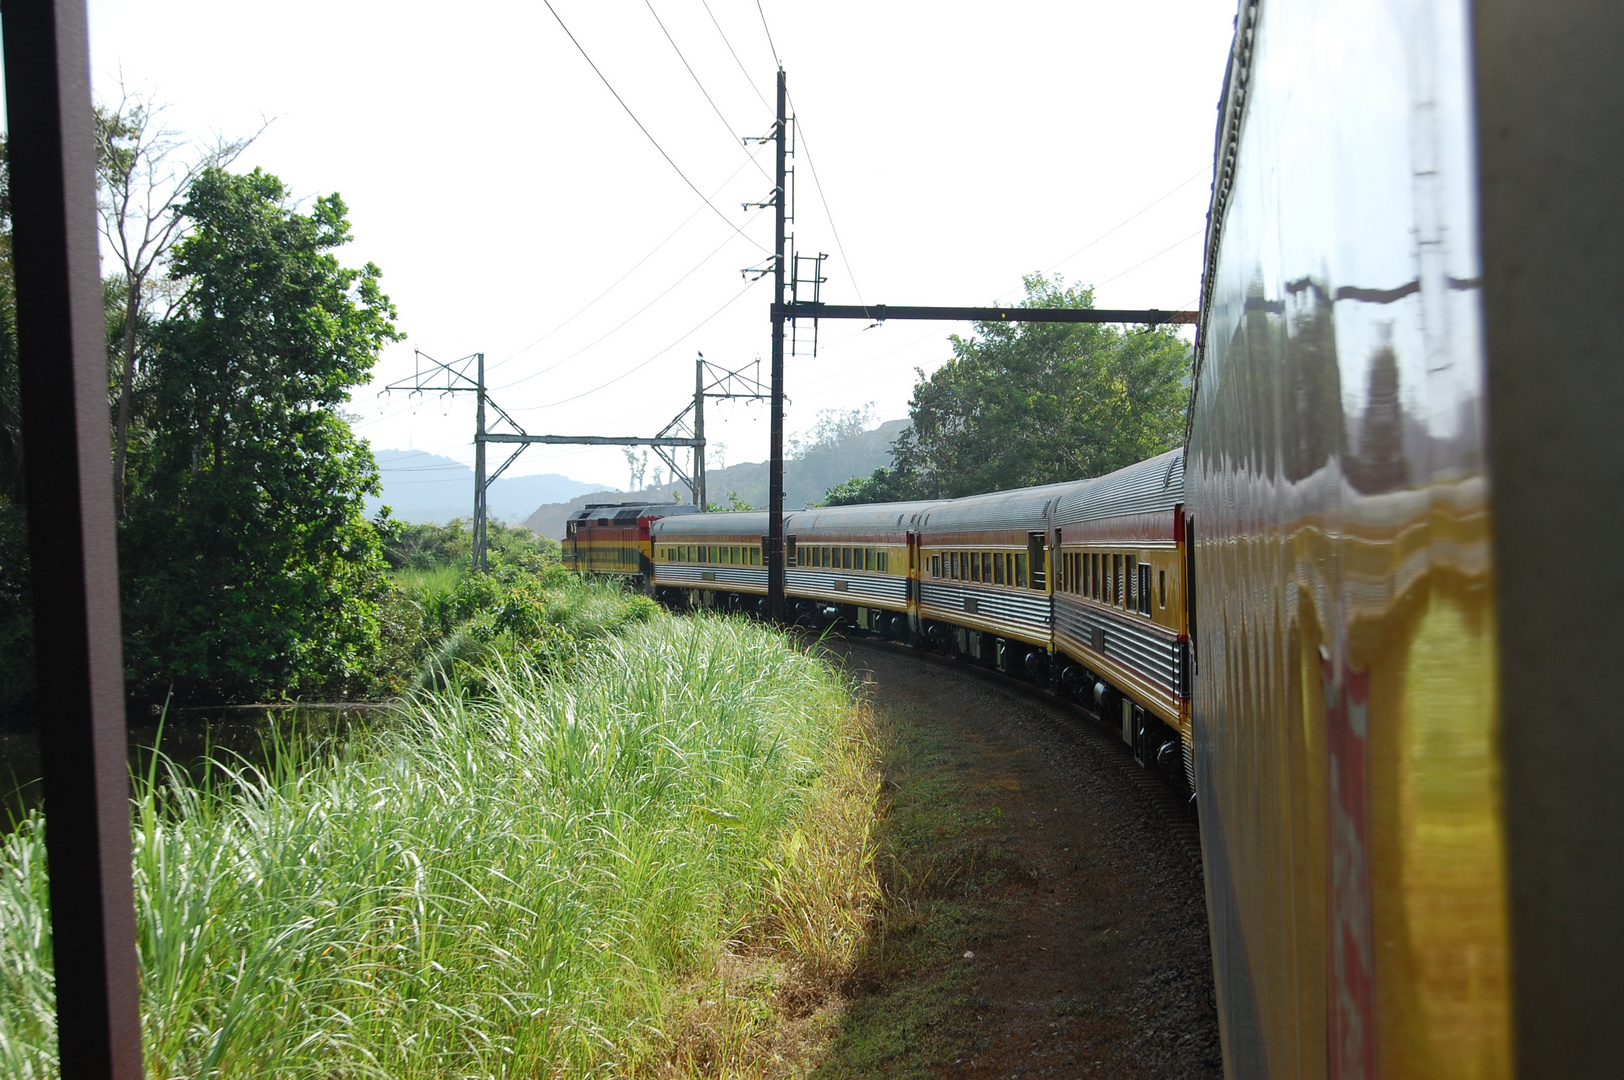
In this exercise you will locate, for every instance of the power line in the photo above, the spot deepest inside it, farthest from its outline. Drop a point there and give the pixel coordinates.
(770, 44)
(839, 246)
(655, 142)
(714, 107)
(635, 266)
(742, 70)
(1154, 257)
(552, 405)
(618, 326)
(1203, 171)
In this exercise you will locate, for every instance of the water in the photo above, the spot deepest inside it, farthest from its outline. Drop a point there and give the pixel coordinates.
(189, 739)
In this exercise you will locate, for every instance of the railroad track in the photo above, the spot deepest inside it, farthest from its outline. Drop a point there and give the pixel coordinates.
(1177, 815)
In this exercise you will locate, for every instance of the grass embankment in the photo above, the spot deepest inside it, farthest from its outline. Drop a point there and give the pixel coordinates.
(621, 864)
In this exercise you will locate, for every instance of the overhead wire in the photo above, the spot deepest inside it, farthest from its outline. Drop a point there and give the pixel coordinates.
(824, 199)
(635, 266)
(769, 33)
(742, 69)
(695, 76)
(1203, 171)
(632, 371)
(655, 142)
(621, 324)
(1153, 258)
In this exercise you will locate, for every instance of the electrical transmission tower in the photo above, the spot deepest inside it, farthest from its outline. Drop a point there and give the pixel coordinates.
(687, 429)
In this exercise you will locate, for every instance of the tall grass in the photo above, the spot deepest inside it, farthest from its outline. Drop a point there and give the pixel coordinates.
(510, 885)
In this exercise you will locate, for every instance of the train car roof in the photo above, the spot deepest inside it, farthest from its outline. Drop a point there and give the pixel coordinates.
(1150, 486)
(880, 516)
(628, 513)
(1024, 509)
(743, 523)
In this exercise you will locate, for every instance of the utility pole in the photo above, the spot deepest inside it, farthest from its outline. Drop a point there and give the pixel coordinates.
(775, 468)
(815, 309)
(699, 434)
(479, 470)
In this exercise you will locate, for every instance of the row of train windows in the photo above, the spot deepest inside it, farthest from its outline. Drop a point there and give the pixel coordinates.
(985, 568)
(840, 558)
(1119, 580)
(746, 555)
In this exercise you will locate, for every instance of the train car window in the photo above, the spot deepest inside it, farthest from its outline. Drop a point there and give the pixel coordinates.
(986, 568)
(868, 558)
(975, 565)
(790, 556)
(845, 559)
(881, 558)
(1116, 580)
(1130, 581)
(1144, 588)
(1095, 574)
(755, 555)
(823, 555)
(1161, 576)
(952, 566)
(998, 568)
(936, 566)
(1020, 570)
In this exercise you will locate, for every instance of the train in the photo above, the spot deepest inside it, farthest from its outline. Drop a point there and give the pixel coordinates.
(1077, 587)
(1367, 612)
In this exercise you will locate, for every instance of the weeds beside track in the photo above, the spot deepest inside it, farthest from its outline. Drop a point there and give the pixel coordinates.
(546, 879)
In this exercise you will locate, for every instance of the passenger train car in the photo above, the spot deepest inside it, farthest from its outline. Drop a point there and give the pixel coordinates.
(1370, 611)
(1078, 587)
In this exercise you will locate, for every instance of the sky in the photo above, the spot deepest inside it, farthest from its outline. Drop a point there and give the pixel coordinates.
(520, 207)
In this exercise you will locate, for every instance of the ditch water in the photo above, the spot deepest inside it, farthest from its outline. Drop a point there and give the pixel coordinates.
(190, 739)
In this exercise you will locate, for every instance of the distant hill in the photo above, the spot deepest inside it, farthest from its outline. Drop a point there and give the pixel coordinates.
(420, 487)
(806, 479)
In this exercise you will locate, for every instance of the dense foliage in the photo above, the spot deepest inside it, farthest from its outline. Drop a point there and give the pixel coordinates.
(248, 566)
(532, 881)
(1036, 403)
(16, 616)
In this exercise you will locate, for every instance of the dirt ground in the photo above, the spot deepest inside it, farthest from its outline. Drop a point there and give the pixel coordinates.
(1044, 913)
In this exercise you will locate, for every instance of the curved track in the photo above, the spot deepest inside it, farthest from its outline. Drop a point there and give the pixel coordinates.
(1078, 891)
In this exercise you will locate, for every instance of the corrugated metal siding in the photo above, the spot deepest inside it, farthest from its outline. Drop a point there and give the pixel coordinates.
(1151, 653)
(886, 589)
(1027, 610)
(688, 574)
(1149, 486)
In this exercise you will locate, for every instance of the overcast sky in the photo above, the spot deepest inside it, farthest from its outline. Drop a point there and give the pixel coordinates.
(502, 188)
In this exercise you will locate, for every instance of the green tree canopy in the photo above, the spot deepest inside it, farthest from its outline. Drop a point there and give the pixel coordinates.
(249, 566)
(1036, 403)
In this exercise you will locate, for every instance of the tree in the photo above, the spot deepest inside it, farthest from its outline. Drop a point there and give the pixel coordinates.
(249, 566)
(884, 485)
(1036, 403)
(16, 612)
(145, 173)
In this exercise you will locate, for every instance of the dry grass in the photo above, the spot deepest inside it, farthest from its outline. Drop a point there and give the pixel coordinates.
(770, 1004)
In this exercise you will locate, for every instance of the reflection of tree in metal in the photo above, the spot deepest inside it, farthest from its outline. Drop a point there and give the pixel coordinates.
(1378, 463)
